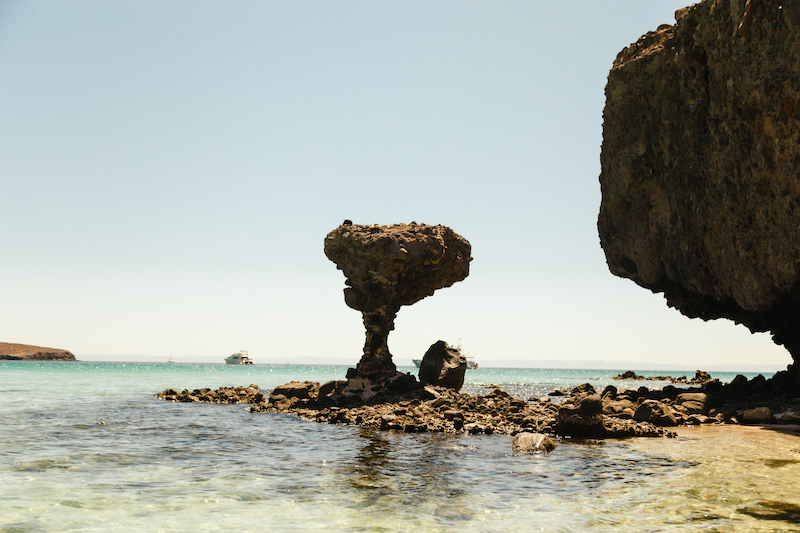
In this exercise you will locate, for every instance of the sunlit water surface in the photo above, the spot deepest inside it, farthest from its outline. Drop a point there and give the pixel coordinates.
(86, 447)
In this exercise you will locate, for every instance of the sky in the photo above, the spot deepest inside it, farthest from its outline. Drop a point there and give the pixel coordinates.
(169, 171)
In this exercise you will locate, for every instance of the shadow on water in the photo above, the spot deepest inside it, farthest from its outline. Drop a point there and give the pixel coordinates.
(773, 510)
(408, 475)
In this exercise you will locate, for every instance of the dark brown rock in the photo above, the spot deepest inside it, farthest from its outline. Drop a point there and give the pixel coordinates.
(387, 267)
(699, 166)
(656, 413)
(758, 415)
(443, 366)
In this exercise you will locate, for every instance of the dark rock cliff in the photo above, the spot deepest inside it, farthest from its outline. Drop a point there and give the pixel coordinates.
(700, 165)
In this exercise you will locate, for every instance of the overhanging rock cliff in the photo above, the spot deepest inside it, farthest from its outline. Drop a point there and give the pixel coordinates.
(700, 165)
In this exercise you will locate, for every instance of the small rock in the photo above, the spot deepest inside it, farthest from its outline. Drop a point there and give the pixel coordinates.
(528, 442)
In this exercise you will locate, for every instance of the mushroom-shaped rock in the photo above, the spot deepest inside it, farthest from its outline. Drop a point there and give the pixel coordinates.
(390, 266)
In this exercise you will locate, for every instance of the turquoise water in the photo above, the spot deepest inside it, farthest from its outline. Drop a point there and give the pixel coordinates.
(86, 447)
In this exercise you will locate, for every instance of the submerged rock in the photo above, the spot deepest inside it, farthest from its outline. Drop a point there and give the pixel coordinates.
(699, 165)
(528, 442)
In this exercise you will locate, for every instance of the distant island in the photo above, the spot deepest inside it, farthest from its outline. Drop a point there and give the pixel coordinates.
(25, 352)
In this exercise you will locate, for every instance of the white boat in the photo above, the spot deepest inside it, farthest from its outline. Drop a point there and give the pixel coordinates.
(239, 358)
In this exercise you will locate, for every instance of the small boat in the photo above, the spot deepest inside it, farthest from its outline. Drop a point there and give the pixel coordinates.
(239, 358)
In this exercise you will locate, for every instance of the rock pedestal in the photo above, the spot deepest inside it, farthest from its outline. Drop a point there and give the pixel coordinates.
(390, 266)
(700, 162)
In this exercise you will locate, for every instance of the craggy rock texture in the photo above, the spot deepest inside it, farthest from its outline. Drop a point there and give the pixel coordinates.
(700, 165)
(390, 266)
(431, 408)
(245, 395)
(25, 352)
(699, 378)
(582, 413)
(443, 366)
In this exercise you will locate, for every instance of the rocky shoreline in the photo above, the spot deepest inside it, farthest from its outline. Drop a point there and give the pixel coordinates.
(583, 413)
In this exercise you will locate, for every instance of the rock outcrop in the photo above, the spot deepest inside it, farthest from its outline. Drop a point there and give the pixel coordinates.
(443, 366)
(25, 352)
(700, 165)
(387, 267)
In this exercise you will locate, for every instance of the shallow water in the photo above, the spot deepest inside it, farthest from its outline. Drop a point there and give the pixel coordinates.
(86, 447)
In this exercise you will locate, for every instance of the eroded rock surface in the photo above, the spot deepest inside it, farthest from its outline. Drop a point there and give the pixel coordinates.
(443, 366)
(582, 413)
(387, 267)
(26, 352)
(701, 165)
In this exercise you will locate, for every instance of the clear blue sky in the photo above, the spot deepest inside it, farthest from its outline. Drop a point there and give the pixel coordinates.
(169, 171)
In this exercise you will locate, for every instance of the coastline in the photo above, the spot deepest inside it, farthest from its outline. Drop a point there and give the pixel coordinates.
(26, 352)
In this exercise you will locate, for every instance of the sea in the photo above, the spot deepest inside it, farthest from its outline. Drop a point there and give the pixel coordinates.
(85, 446)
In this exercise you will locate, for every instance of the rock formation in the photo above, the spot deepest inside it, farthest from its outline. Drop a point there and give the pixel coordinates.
(443, 366)
(25, 352)
(390, 266)
(700, 165)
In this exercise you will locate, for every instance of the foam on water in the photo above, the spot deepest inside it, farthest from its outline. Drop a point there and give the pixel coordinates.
(86, 447)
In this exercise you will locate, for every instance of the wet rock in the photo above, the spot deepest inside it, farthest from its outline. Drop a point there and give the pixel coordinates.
(301, 390)
(788, 417)
(387, 267)
(528, 442)
(443, 366)
(237, 395)
(758, 415)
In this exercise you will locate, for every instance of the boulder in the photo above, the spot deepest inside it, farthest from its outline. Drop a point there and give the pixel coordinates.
(302, 390)
(758, 415)
(527, 442)
(699, 165)
(788, 417)
(693, 402)
(583, 420)
(443, 366)
(656, 413)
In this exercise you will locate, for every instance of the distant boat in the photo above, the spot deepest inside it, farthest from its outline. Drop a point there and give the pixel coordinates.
(239, 358)
(171, 362)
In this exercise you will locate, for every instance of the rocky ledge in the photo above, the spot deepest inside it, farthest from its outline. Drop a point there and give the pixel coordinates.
(699, 378)
(25, 352)
(583, 413)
